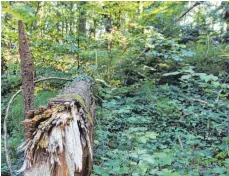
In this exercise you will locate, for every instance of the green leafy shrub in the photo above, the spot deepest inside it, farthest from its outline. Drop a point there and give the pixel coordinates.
(137, 133)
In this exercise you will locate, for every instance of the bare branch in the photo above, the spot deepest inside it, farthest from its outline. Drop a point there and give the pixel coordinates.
(180, 142)
(189, 9)
(8, 162)
(199, 100)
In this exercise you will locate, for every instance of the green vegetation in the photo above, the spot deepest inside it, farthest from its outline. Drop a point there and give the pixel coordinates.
(137, 133)
(162, 101)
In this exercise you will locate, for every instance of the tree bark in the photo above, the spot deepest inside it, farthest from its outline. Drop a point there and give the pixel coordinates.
(225, 7)
(82, 20)
(60, 137)
(27, 70)
(81, 27)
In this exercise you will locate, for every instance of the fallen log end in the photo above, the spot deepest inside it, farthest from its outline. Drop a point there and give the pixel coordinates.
(60, 138)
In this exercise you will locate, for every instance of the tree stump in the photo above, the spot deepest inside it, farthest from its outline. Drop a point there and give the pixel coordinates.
(60, 137)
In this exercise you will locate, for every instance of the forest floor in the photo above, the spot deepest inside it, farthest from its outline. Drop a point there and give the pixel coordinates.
(160, 130)
(148, 129)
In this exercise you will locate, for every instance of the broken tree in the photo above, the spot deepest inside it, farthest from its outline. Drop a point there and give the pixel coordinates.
(27, 70)
(60, 136)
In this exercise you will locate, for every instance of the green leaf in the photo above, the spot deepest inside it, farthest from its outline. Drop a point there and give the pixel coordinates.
(123, 170)
(97, 169)
(160, 155)
(151, 135)
(220, 170)
(143, 166)
(143, 139)
(147, 157)
(186, 77)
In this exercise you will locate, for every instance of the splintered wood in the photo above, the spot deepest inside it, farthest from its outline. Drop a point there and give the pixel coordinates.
(59, 140)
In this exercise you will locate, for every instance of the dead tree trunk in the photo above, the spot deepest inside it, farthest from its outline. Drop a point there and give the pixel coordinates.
(27, 70)
(60, 137)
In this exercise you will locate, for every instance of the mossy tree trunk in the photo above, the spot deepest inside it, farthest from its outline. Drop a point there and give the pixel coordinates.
(60, 136)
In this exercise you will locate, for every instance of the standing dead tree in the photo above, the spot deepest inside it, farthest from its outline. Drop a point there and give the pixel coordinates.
(27, 70)
(60, 136)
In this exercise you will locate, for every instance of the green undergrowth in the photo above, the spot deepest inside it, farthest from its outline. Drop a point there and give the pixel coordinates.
(137, 131)
(150, 129)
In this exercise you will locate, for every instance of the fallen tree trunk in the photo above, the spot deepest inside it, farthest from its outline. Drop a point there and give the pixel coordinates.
(60, 137)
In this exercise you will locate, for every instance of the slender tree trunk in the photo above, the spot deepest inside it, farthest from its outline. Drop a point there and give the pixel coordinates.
(225, 6)
(66, 26)
(62, 30)
(95, 25)
(71, 19)
(27, 70)
(36, 23)
(39, 14)
(140, 8)
(96, 62)
(3, 64)
(109, 48)
(60, 137)
(82, 19)
(81, 27)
